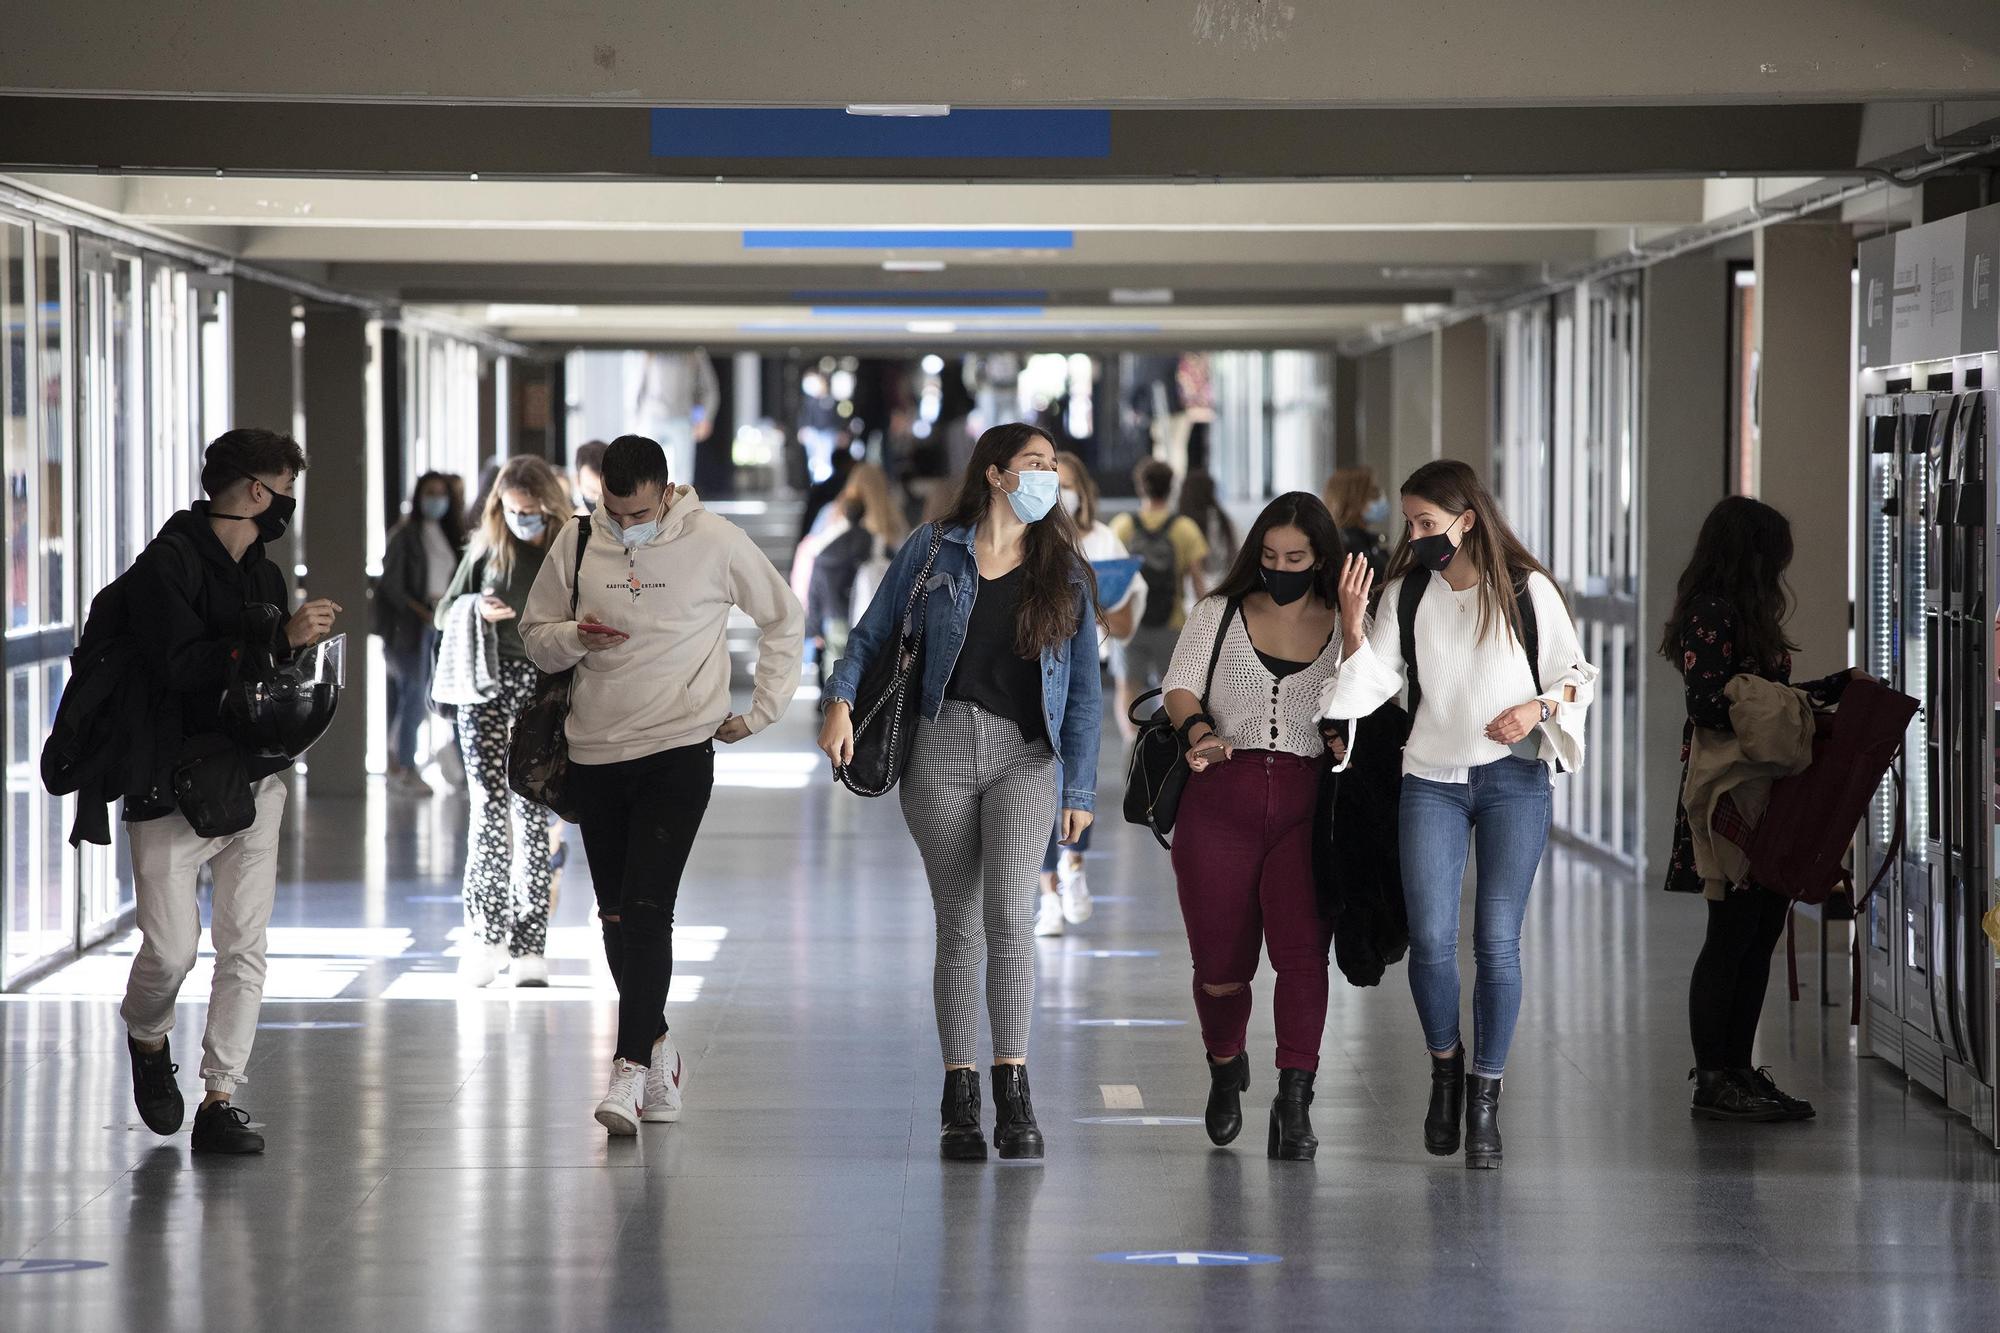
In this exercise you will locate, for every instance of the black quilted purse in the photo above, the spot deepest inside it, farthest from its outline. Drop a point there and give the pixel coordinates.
(889, 695)
(538, 754)
(1157, 771)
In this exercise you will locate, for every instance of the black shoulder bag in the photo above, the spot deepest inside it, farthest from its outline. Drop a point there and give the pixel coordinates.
(889, 695)
(538, 754)
(1157, 772)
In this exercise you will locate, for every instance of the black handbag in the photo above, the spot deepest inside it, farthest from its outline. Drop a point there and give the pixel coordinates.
(212, 786)
(538, 753)
(889, 695)
(1157, 772)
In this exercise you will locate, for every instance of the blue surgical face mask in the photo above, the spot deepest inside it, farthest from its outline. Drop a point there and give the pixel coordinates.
(1036, 495)
(435, 507)
(528, 527)
(1377, 512)
(639, 533)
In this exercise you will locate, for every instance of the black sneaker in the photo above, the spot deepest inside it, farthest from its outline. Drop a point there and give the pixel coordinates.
(154, 1091)
(224, 1127)
(1797, 1108)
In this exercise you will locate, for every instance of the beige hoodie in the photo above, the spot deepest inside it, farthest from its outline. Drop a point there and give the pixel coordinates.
(668, 685)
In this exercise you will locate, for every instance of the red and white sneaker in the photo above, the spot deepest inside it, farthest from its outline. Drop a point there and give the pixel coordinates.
(662, 1098)
(619, 1111)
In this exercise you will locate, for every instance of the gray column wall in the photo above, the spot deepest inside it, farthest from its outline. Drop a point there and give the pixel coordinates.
(1805, 299)
(1463, 426)
(335, 507)
(1413, 432)
(1375, 417)
(1346, 411)
(261, 372)
(1683, 459)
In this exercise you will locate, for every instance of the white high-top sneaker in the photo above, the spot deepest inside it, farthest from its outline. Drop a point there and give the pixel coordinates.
(1049, 916)
(479, 962)
(1076, 904)
(530, 969)
(619, 1111)
(663, 1083)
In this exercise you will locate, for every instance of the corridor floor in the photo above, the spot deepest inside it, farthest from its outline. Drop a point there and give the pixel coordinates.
(434, 1165)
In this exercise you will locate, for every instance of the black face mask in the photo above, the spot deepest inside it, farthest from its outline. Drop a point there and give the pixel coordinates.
(272, 523)
(1287, 585)
(1434, 551)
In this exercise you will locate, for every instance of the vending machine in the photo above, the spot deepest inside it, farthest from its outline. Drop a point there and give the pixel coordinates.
(1929, 352)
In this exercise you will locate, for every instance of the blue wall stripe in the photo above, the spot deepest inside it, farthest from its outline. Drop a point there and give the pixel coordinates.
(859, 239)
(787, 132)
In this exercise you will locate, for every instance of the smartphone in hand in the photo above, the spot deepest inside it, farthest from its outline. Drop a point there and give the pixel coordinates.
(597, 627)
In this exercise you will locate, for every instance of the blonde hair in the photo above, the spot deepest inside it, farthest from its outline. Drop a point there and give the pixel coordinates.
(882, 511)
(1347, 494)
(494, 540)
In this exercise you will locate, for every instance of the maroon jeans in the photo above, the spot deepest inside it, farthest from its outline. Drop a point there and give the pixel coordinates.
(1243, 861)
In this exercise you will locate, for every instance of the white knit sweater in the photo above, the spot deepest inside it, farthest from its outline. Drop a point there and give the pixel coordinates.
(1468, 681)
(1253, 710)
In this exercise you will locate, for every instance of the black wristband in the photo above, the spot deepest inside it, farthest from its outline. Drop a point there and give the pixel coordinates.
(1187, 726)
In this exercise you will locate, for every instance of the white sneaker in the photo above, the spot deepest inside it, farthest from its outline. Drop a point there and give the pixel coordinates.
(529, 970)
(663, 1083)
(478, 962)
(1076, 904)
(619, 1111)
(1049, 917)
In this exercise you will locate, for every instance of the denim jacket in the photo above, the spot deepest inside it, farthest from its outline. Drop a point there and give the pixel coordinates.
(1070, 703)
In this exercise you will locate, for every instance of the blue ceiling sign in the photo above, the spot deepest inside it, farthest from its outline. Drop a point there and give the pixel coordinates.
(800, 132)
(37, 1267)
(1189, 1259)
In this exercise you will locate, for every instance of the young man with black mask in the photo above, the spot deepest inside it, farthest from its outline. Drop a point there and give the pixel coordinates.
(203, 597)
(645, 625)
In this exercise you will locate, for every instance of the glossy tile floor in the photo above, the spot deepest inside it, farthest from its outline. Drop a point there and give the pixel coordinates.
(434, 1166)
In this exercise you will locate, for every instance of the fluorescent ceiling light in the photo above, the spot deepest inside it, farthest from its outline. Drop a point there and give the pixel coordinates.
(913, 266)
(931, 326)
(1142, 296)
(900, 109)
(508, 314)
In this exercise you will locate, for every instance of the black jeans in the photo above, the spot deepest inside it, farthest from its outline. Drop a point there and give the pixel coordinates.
(1726, 994)
(638, 820)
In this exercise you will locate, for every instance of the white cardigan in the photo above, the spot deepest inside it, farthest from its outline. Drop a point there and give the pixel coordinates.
(1253, 710)
(1468, 681)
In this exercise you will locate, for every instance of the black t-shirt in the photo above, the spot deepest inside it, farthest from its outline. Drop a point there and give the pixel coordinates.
(988, 672)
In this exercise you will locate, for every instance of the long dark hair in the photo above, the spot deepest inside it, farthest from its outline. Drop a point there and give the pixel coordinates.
(453, 522)
(1293, 509)
(1502, 561)
(1740, 557)
(1199, 502)
(1052, 562)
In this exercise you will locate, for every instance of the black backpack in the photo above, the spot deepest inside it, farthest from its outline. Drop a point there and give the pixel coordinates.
(1159, 564)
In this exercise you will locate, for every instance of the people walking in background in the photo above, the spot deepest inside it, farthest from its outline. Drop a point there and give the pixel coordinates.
(866, 527)
(588, 463)
(1008, 735)
(1242, 851)
(417, 566)
(204, 596)
(1065, 887)
(1360, 510)
(1476, 629)
(1728, 622)
(1201, 503)
(507, 856)
(644, 622)
(676, 402)
(1171, 552)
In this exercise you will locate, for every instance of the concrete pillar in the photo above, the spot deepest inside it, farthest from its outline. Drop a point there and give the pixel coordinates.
(1375, 416)
(1413, 417)
(336, 499)
(1346, 411)
(1805, 304)
(1462, 425)
(1683, 461)
(262, 383)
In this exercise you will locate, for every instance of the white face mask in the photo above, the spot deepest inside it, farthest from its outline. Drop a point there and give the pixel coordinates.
(1072, 500)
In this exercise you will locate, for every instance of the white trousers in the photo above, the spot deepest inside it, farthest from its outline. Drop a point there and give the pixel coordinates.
(167, 857)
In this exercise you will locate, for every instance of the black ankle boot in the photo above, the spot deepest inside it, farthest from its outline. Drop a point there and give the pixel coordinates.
(1724, 1094)
(1015, 1133)
(1447, 1113)
(960, 1138)
(1482, 1123)
(1228, 1082)
(1796, 1108)
(1292, 1137)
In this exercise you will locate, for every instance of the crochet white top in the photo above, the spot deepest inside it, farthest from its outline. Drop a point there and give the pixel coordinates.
(1253, 710)
(1468, 681)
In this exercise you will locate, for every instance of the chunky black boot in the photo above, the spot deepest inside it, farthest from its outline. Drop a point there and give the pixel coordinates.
(1292, 1137)
(1228, 1082)
(1447, 1113)
(1722, 1094)
(1015, 1133)
(1760, 1080)
(960, 1138)
(1482, 1123)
